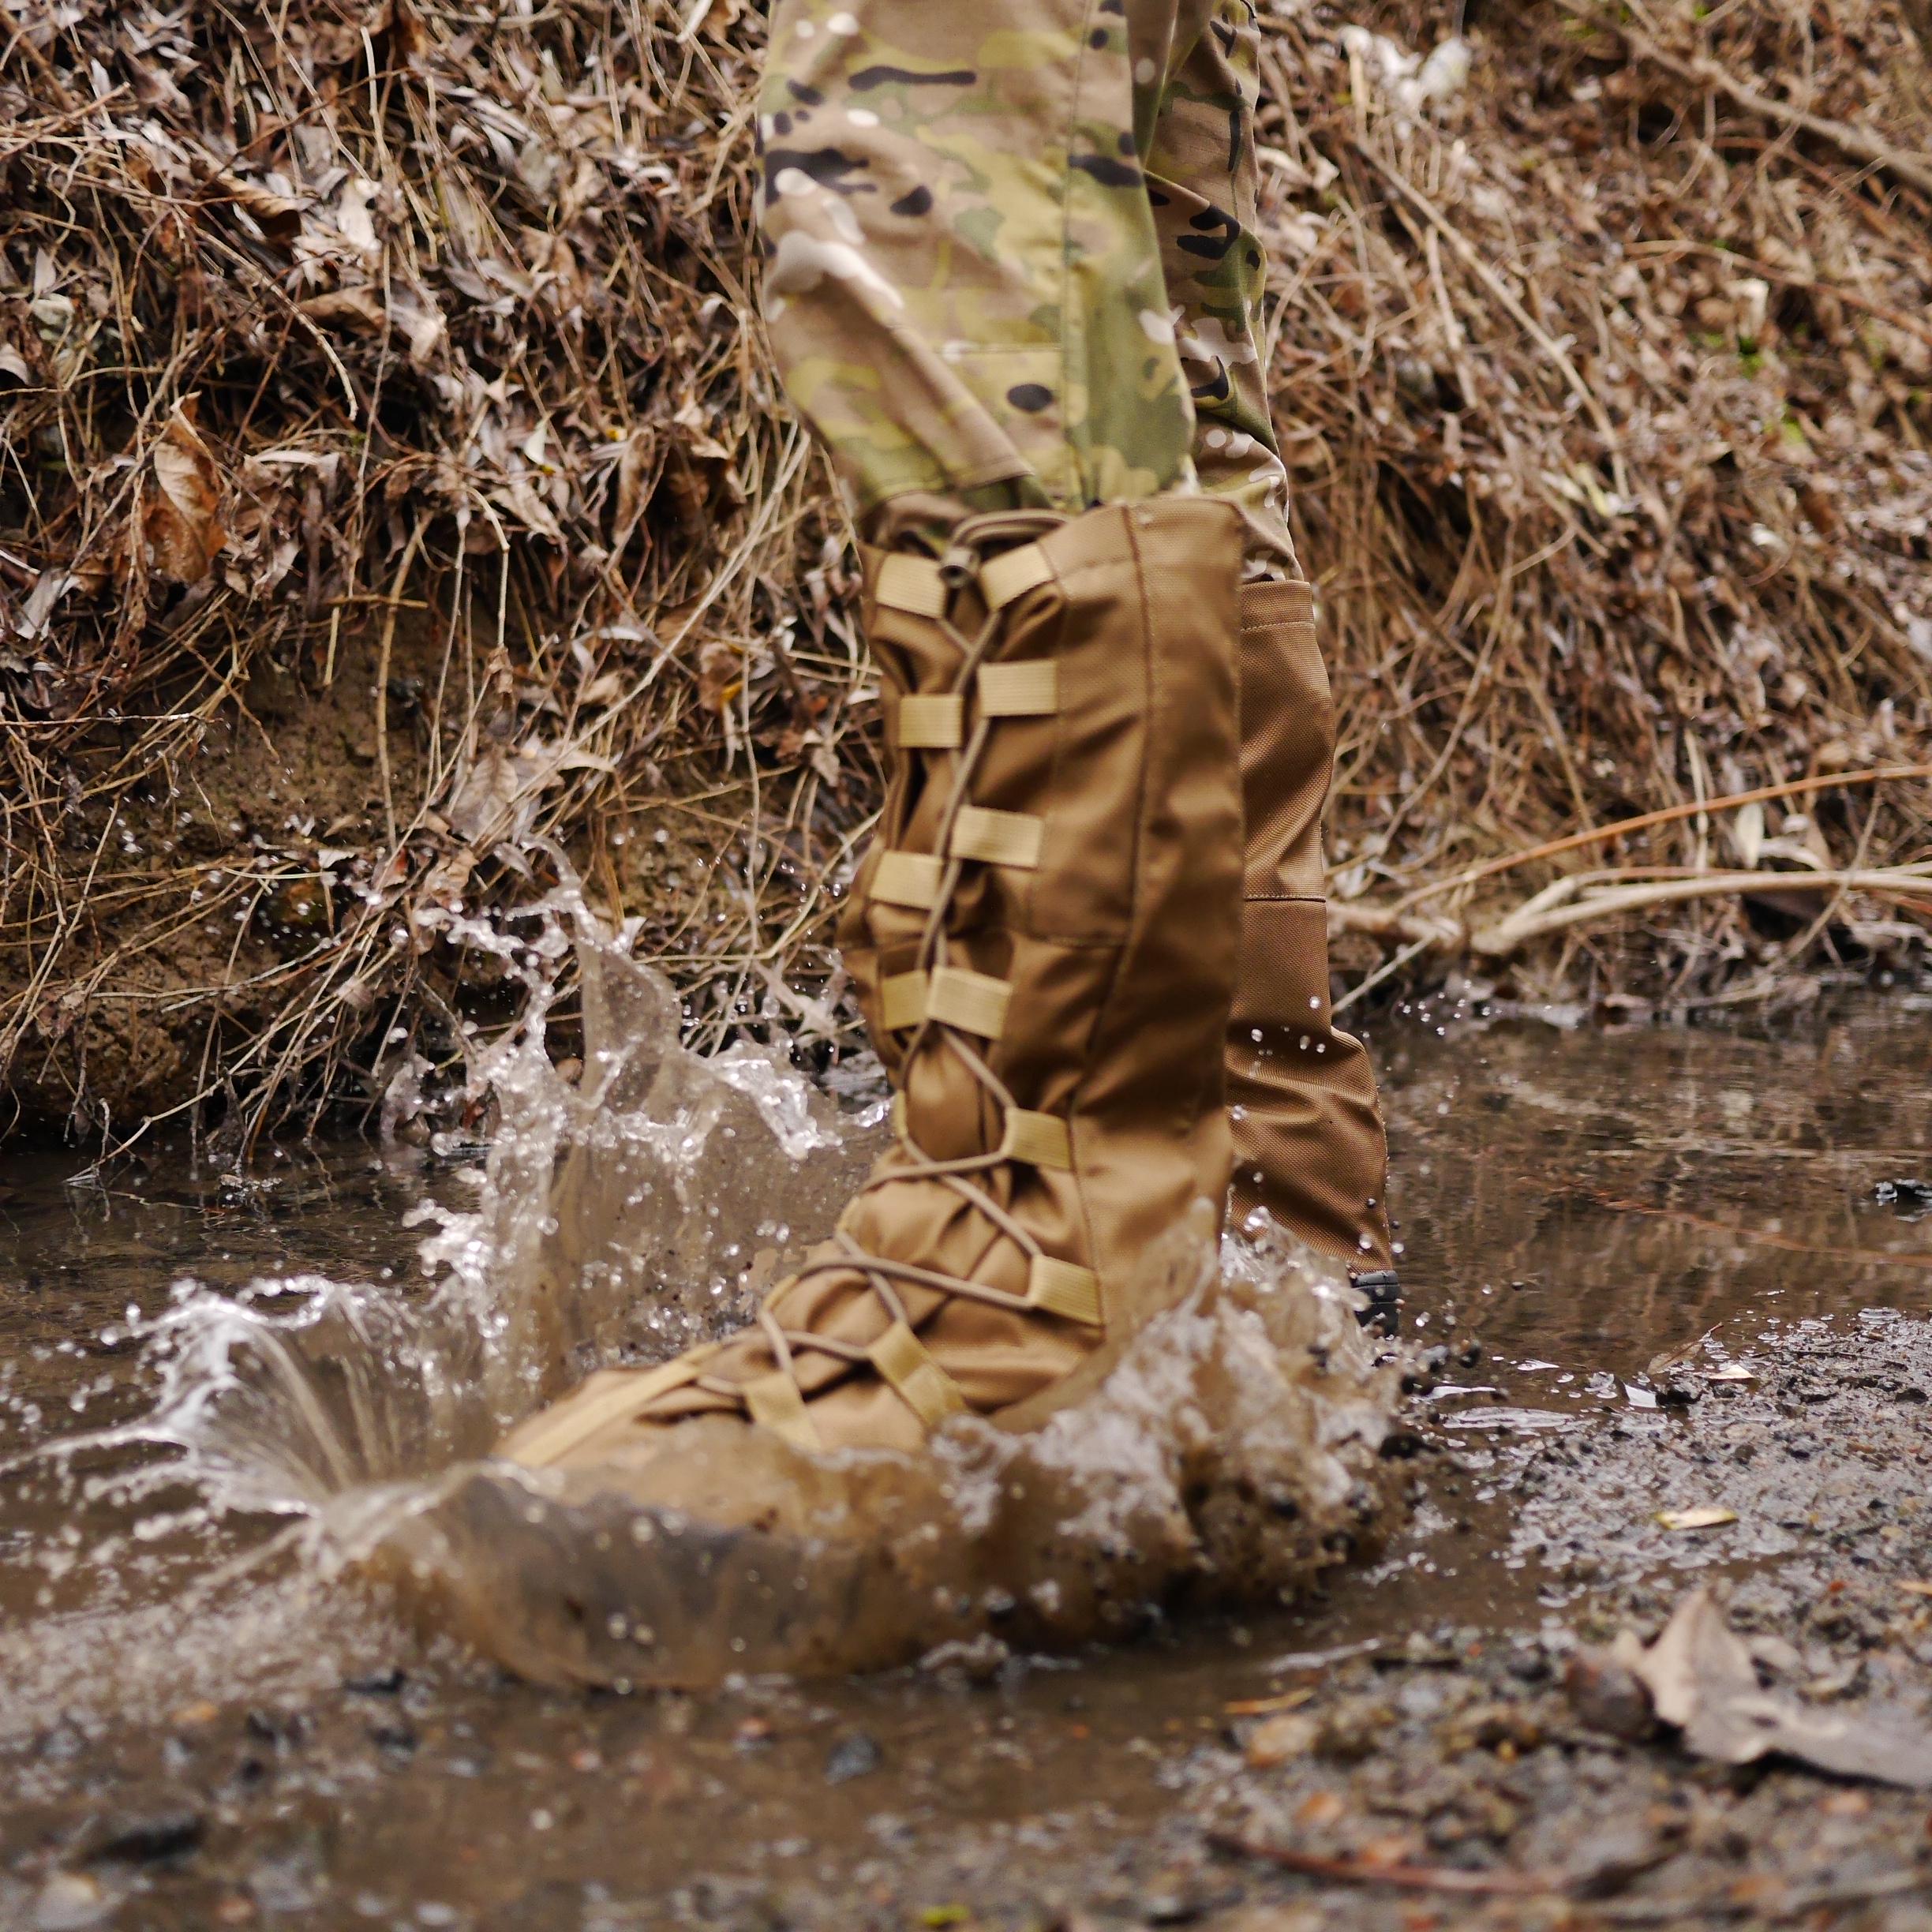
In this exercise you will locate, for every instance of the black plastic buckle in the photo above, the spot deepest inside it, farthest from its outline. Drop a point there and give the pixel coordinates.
(1383, 1313)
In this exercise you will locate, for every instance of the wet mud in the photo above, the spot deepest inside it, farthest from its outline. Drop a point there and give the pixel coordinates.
(1660, 1277)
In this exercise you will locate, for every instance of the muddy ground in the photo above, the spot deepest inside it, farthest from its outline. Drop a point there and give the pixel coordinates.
(1428, 1741)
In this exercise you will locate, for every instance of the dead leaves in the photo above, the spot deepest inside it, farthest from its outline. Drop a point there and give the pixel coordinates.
(181, 530)
(720, 675)
(497, 798)
(449, 260)
(1701, 1679)
(358, 308)
(411, 312)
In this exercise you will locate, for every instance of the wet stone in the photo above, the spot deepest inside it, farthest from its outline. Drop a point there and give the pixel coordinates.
(60, 1743)
(141, 1837)
(1180, 1896)
(1352, 1731)
(385, 1682)
(292, 1881)
(70, 1901)
(1608, 1861)
(1606, 1697)
(285, 1730)
(853, 1757)
(1528, 1664)
(1493, 1727)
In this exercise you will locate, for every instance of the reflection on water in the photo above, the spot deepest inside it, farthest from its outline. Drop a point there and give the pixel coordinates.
(1587, 1200)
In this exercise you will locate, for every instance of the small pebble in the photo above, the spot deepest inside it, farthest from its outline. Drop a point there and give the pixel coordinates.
(69, 1900)
(852, 1756)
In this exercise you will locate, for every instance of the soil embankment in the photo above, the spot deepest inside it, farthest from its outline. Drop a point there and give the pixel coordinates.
(396, 482)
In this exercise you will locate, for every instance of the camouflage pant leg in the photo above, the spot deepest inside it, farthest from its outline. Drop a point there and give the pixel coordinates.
(1203, 181)
(963, 274)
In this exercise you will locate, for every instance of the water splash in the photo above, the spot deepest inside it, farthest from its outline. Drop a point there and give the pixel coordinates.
(1230, 1457)
(641, 1206)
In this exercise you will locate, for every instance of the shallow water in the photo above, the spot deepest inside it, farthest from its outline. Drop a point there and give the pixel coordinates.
(1574, 1203)
(634, 1205)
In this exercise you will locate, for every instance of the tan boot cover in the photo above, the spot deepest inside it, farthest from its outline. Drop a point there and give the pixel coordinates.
(1309, 1141)
(1239, 1456)
(1045, 934)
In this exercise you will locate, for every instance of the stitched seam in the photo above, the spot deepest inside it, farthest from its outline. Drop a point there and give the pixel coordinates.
(1001, 472)
(1103, 1007)
(1070, 186)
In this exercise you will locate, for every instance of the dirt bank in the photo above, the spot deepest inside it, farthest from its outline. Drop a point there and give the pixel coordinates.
(1602, 376)
(198, 911)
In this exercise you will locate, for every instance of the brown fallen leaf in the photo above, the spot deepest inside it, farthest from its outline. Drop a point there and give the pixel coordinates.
(1279, 1739)
(279, 216)
(1320, 1810)
(1701, 1678)
(720, 675)
(358, 309)
(180, 514)
(1268, 1706)
(414, 313)
(497, 797)
(1659, 1366)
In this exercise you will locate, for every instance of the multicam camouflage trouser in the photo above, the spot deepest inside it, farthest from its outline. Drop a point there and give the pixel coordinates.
(1011, 252)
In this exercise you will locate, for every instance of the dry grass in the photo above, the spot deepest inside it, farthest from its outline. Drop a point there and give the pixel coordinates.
(398, 357)
(1609, 396)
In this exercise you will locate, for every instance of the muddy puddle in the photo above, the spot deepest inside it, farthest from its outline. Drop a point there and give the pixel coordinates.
(202, 1722)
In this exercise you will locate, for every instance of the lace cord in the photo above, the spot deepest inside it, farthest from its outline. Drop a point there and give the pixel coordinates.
(960, 568)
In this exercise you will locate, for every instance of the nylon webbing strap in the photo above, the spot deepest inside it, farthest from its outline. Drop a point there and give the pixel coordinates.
(932, 722)
(928, 1391)
(949, 996)
(1062, 1289)
(974, 1002)
(908, 879)
(1001, 838)
(912, 584)
(1013, 573)
(1040, 1139)
(902, 1000)
(774, 1401)
(1029, 689)
(916, 584)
